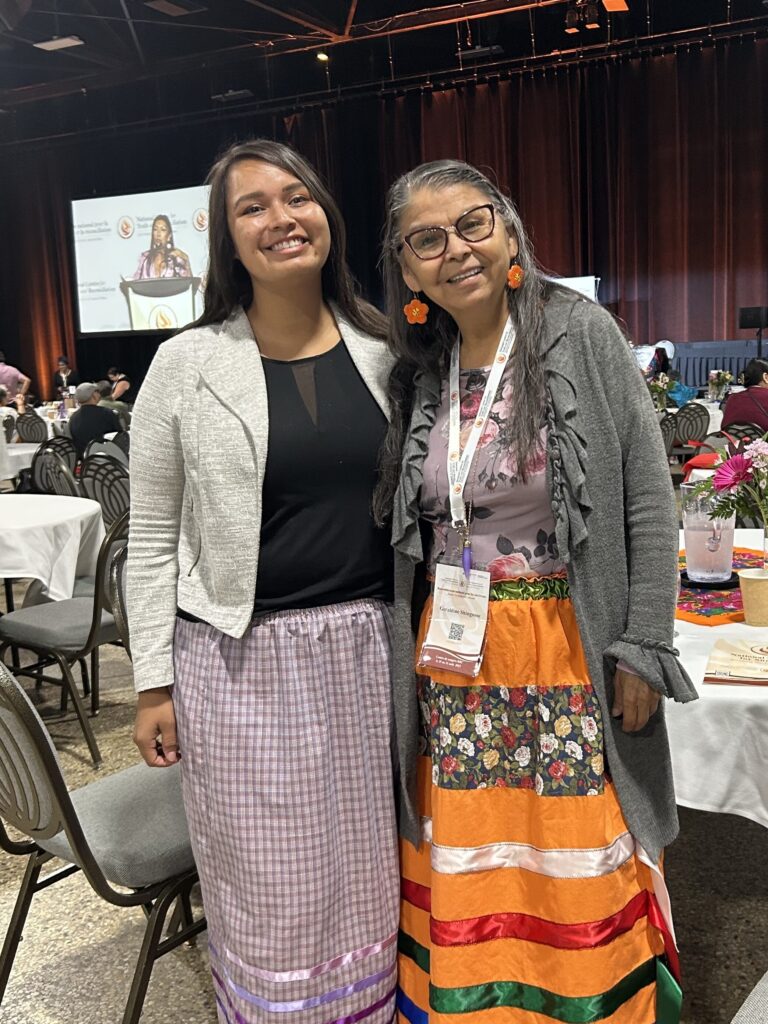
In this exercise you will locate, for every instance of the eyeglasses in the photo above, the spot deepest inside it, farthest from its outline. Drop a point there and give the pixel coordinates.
(473, 226)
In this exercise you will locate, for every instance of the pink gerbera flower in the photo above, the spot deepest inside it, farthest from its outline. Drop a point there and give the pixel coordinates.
(729, 475)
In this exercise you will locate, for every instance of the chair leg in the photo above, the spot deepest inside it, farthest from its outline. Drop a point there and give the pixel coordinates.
(95, 682)
(9, 607)
(147, 955)
(18, 918)
(84, 675)
(68, 683)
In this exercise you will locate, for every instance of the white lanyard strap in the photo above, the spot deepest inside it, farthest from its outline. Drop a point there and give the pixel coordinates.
(459, 462)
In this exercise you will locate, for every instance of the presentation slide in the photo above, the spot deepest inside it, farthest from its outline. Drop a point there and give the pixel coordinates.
(141, 260)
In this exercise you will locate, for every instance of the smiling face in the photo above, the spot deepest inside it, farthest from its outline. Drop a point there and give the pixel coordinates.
(468, 276)
(277, 229)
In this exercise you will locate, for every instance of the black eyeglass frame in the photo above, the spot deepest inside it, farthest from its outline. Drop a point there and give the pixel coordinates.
(451, 228)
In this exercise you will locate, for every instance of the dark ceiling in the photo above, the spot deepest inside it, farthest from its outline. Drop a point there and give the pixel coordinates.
(253, 54)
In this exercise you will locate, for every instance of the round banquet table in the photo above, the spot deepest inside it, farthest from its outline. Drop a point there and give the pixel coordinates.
(49, 538)
(719, 743)
(19, 457)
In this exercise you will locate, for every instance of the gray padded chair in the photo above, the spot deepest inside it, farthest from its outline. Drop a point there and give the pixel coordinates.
(94, 830)
(8, 423)
(106, 480)
(117, 581)
(755, 1008)
(31, 428)
(66, 632)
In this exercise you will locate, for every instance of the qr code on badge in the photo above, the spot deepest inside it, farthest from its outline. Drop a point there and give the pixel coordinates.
(455, 632)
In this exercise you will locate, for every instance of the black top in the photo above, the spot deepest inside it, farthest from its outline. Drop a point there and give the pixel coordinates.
(319, 544)
(89, 423)
(58, 381)
(129, 396)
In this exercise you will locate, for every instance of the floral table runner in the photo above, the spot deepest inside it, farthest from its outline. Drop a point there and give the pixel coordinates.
(716, 607)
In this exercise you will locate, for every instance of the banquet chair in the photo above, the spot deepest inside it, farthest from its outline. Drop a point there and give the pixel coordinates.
(59, 474)
(66, 632)
(117, 597)
(42, 466)
(743, 431)
(691, 427)
(94, 830)
(114, 451)
(9, 427)
(106, 480)
(667, 426)
(31, 428)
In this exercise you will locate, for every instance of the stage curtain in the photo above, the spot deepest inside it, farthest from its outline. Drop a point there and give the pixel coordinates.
(649, 172)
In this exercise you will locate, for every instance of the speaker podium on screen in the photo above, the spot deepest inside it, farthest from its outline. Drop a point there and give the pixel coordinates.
(162, 303)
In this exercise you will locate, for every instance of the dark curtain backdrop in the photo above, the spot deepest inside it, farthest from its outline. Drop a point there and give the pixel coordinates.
(648, 172)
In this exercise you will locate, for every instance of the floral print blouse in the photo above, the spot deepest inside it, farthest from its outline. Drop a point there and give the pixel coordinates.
(513, 532)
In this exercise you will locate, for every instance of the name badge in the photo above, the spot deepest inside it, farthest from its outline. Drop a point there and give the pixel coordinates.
(456, 633)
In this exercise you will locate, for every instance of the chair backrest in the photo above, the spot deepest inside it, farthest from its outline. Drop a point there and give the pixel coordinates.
(31, 428)
(9, 426)
(60, 475)
(692, 423)
(668, 431)
(116, 537)
(33, 796)
(117, 585)
(114, 451)
(740, 431)
(106, 480)
(65, 449)
(123, 442)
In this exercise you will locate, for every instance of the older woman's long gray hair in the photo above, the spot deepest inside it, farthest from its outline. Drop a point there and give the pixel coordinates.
(427, 347)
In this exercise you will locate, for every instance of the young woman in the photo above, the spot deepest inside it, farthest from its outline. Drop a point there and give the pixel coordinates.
(162, 259)
(536, 806)
(259, 595)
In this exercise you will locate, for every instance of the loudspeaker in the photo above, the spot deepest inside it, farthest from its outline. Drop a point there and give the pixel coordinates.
(754, 317)
(11, 12)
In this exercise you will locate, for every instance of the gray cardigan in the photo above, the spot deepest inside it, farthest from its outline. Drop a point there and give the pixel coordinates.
(199, 440)
(616, 527)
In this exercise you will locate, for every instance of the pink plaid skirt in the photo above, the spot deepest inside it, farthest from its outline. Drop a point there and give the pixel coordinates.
(287, 777)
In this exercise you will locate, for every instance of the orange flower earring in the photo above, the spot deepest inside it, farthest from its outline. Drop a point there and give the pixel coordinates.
(515, 275)
(416, 311)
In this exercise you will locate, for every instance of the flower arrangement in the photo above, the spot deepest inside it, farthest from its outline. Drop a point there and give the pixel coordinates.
(718, 382)
(740, 485)
(658, 386)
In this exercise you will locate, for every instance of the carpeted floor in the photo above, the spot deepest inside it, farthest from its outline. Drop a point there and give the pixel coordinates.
(75, 963)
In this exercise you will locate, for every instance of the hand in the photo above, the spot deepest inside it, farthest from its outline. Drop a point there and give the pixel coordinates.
(633, 700)
(154, 731)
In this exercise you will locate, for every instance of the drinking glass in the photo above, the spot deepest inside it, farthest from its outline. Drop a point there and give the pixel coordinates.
(708, 542)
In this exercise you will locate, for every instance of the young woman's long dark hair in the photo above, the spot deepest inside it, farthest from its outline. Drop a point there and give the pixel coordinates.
(753, 372)
(427, 347)
(228, 284)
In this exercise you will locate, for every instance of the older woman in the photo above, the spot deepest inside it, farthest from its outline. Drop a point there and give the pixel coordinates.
(259, 593)
(533, 493)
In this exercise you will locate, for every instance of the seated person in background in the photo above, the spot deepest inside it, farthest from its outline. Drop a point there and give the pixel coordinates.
(65, 377)
(90, 423)
(6, 409)
(750, 405)
(121, 386)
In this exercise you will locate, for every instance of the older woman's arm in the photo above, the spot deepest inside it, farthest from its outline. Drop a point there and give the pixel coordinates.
(645, 651)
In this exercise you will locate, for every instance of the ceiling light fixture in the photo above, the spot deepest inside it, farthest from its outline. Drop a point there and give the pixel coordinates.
(322, 56)
(571, 20)
(616, 5)
(59, 43)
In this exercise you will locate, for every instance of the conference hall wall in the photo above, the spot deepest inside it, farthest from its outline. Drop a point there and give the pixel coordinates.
(649, 172)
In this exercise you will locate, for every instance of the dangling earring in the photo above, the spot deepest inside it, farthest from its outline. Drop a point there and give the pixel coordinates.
(416, 311)
(515, 275)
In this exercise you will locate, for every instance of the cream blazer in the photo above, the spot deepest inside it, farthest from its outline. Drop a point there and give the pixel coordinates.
(199, 441)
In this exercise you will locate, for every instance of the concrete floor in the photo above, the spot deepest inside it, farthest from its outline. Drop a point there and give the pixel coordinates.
(78, 953)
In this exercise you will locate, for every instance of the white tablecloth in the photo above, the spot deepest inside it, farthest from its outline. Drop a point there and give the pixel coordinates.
(54, 423)
(720, 742)
(14, 458)
(49, 538)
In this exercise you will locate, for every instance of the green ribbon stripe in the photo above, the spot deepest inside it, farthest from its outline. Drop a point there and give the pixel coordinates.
(530, 590)
(410, 947)
(568, 1009)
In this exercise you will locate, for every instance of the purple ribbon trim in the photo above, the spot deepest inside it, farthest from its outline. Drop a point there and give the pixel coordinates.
(310, 972)
(351, 1018)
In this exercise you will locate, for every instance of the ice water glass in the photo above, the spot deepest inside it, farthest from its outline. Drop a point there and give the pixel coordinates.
(708, 542)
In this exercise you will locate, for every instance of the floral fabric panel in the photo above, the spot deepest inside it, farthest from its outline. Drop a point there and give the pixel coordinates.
(513, 532)
(549, 739)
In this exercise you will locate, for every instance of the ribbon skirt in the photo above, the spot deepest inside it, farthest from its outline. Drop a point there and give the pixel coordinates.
(528, 901)
(287, 780)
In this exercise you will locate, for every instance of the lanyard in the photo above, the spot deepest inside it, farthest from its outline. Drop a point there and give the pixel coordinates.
(460, 462)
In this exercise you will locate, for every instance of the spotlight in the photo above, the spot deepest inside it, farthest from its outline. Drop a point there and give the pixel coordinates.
(322, 56)
(571, 20)
(591, 16)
